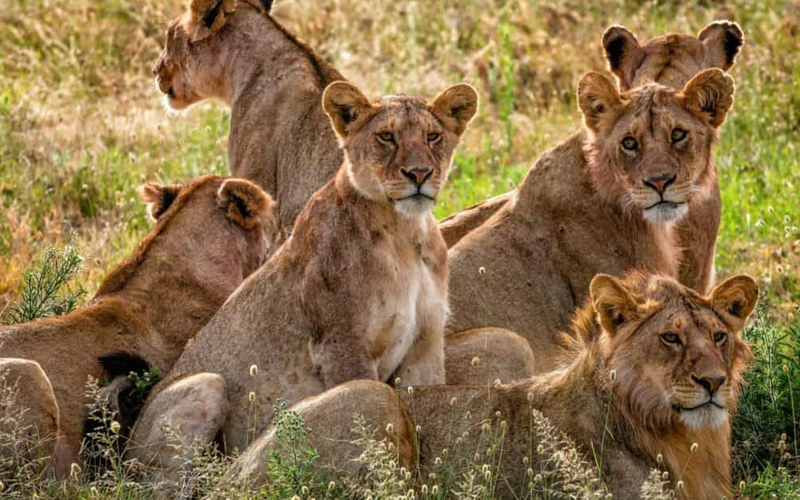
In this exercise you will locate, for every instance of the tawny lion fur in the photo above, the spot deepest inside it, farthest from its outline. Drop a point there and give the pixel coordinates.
(236, 52)
(209, 235)
(571, 220)
(359, 291)
(647, 403)
(670, 60)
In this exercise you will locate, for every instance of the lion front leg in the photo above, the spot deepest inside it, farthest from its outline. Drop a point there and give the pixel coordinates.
(189, 411)
(423, 364)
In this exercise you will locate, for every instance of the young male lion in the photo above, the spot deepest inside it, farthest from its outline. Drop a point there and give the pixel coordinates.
(648, 162)
(359, 291)
(654, 368)
(670, 60)
(210, 234)
(235, 51)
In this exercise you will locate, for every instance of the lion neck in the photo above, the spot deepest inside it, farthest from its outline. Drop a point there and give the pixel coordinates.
(279, 136)
(559, 187)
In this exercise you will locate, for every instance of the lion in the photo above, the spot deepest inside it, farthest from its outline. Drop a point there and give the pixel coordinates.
(648, 163)
(652, 368)
(359, 291)
(210, 234)
(670, 60)
(236, 52)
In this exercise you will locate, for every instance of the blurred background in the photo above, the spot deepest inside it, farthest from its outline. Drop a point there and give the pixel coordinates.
(82, 127)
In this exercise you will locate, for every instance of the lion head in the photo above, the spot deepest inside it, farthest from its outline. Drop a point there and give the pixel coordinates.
(399, 148)
(218, 229)
(649, 149)
(671, 59)
(678, 357)
(199, 45)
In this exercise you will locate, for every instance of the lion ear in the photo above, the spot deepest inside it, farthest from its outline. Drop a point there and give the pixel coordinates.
(597, 98)
(735, 298)
(722, 42)
(207, 16)
(456, 106)
(160, 197)
(710, 95)
(247, 204)
(612, 302)
(345, 105)
(623, 53)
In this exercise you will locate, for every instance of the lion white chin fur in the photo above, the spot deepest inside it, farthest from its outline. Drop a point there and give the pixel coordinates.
(413, 208)
(704, 418)
(666, 212)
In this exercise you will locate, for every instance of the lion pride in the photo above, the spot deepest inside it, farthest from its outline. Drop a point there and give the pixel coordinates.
(652, 368)
(210, 234)
(359, 291)
(670, 60)
(646, 162)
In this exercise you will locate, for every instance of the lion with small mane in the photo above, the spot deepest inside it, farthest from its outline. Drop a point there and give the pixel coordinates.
(652, 368)
(359, 291)
(648, 163)
(210, 234)
(670, 60)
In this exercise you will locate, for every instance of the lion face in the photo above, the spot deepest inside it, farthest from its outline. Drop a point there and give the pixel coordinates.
(193, 64)
(678, 356)
(220, 220)
(399, 148)
(650, 148)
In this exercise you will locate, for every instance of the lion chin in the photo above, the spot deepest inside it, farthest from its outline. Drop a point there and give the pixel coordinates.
(666, 211)
(415, 206)
(705, 417)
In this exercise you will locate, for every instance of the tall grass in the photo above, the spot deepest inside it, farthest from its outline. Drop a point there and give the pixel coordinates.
(81, 128)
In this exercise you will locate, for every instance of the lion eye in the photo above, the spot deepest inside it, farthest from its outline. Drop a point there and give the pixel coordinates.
(433, 137)
(720, 337)
(629, 144)
(386, 137)
(678, 134)
(670, 338)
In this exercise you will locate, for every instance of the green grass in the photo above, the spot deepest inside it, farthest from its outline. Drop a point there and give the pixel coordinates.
(81, 128)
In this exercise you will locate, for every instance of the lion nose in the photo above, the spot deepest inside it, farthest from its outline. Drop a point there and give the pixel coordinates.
(710, 383)
(660, 183)
(417, 175)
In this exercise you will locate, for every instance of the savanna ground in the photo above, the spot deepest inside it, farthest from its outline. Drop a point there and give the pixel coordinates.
(81, 127)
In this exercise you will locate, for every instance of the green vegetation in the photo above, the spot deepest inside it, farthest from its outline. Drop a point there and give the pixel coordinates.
(46, 290)
(81, 128)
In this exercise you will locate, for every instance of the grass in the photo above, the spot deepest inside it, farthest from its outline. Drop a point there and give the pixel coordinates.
(81, 128)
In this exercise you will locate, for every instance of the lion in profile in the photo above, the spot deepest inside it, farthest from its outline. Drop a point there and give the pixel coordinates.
(652, 365)
(280, 137)
(210, 234)
(359, 291)
(670, 60)
(646, 163)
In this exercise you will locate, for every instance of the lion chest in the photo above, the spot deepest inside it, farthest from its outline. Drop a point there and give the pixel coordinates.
(409, 300)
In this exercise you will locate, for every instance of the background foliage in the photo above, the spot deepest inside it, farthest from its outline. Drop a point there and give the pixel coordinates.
(81, 128)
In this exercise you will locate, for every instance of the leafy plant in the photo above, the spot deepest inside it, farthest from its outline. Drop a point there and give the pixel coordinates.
(46, 290)
(291, 465)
